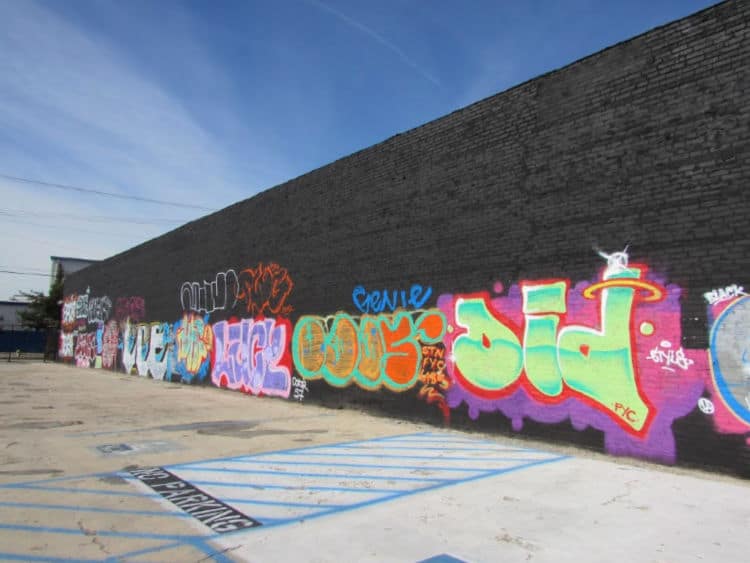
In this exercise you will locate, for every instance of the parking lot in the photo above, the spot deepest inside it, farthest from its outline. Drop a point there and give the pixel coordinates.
(101, 466)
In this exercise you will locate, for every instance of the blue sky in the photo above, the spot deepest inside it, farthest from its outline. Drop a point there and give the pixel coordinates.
(208, 103)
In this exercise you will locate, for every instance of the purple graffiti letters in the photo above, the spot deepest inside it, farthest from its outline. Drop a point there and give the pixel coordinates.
(252, 356)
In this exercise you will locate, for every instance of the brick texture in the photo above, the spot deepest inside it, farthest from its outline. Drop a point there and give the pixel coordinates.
(644, 144)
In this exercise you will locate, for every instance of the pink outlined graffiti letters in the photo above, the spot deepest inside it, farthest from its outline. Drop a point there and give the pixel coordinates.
(523, 355)
(253, 356)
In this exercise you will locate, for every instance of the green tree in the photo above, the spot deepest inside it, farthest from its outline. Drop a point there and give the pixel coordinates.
(44, 310)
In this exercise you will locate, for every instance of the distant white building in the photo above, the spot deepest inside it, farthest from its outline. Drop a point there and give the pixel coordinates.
(9, 310)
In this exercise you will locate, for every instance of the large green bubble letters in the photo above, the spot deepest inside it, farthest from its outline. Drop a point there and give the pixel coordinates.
(488, 354)
(597, 364)
(542, 305)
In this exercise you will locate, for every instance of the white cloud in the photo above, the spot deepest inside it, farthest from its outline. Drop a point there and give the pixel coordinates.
(76, 109)
(390, 45)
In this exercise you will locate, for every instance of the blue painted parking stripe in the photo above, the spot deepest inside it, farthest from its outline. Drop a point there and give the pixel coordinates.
(295, 487)
(379, 447)
(400, 456)
(213, 554)
(103, 533)
(445, 438)
(448, 443)
(5, 556)
(310, 475)
(79, 508)
(57, 479)
(157, 496)
(303, 449)
(145, 551)
(480, 440)
(279, 503)
(353, 465)
(88, 491)
(407, 493)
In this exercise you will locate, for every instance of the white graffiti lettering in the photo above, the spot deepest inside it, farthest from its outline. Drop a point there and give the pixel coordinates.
(300, 388)
(208, 297)
(664, 354)
(724, 294)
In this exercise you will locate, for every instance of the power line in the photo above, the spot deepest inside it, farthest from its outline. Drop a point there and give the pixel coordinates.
(57, 227)
(25, 273)
(90, 218)
(103, 193)
(25, 268)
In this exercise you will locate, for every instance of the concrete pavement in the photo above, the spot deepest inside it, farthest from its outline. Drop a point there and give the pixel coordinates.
(103, 466)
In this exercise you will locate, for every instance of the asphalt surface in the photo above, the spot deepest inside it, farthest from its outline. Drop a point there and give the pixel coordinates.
(103, 466)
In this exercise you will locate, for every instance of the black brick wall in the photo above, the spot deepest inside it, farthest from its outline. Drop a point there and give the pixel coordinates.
(645, 144)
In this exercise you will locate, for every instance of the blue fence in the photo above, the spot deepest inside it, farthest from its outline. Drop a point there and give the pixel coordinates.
(28, 341)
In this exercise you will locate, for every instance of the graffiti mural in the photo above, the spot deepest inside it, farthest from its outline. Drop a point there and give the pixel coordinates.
(265, 289)
(208, 297)
(730, 365)
(253, 356)
(67, 345)
(110, 339)
(549, 353)
(70, 303)
(82, 308)
(669, 358)
(159, 350)
(727, 293)
(378, 301)
(605, 353)
(371, 351)
(85, 351)
(434, 379)
(128, 345)
(133, 308)
(99, 309)
(300, 388)
(193, 348)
